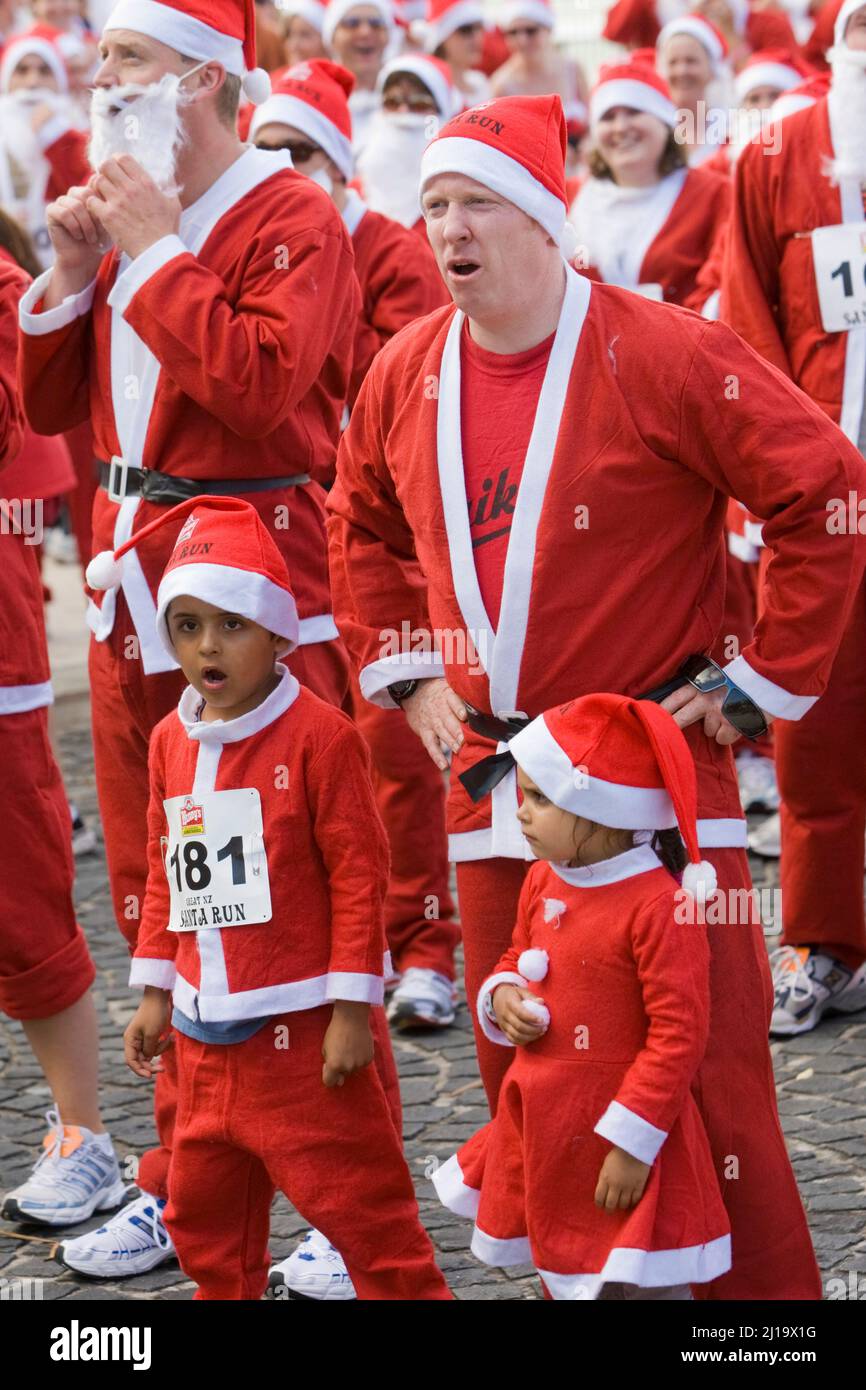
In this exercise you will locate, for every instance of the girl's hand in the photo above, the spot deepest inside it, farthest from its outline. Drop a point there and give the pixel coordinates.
(517, 1023)
(348, 1044)
(147, 1034)
(621, 1181)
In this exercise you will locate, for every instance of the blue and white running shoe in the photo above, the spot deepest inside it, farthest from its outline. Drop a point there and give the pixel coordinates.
(76, 1175)
(132, 1242)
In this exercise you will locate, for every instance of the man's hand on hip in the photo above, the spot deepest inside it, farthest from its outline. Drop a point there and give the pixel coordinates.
(687, 706)
(127, 202)
(435, 712)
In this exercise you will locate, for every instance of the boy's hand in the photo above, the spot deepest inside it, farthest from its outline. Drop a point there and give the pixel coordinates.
(621, 1181)
(348, 1044)
(518, 1024)
(147, 1034)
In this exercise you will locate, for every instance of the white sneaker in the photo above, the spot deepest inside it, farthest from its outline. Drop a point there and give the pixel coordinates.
(314, 1270)
(423, 999)
(759, 790)
(76, 1175)
(132, 1242)
(808, 984)
(766, 839)
(83, 838)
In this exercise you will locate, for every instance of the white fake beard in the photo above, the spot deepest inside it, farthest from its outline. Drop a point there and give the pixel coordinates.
(323, 179)
(847, 110)
(18, 136)
(149, 127)
(390, 165)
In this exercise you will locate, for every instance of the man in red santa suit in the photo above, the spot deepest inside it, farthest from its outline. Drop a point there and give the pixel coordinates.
(793, 288)
(201, 309)
(512, 477)
(357, 34)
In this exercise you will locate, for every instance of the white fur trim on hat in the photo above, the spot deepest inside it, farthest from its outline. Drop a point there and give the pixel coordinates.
(417, 65)
(435, 32)
(23, 46)
(640, 96)
(179, 31)
(282, 109)
(495, 169)
(309, 10)
(693, 26)
(535, 11)
(777, 75)
(251, 595)
(609, 803)
(850, 7)
(789, 103)
(338, 9)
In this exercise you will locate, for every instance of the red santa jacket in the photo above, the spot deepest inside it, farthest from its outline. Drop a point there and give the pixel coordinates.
(65, 148)
(615, 567)
(399, 281)
(24, 674)
(635, 24)
(223, 352)
(326, 852)
(680, 246)
(769, 293)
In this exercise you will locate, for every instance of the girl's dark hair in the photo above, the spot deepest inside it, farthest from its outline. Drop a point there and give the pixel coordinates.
(670, 849)
(673, 156)
(16, 241)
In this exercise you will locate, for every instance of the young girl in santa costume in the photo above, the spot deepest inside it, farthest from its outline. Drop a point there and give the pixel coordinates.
(596, 1167)
(262, 924)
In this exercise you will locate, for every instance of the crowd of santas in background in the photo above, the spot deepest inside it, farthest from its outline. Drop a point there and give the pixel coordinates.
(673, 195)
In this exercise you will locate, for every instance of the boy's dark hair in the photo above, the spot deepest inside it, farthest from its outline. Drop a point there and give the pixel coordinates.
(670, 849)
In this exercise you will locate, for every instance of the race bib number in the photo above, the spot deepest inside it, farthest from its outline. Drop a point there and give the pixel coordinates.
(839, 257)
(215, 860)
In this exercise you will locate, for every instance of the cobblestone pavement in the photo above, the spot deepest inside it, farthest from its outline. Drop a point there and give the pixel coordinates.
(822, 1097)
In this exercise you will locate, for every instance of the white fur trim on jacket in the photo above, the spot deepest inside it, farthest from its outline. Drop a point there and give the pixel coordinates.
(491, 1030)
(452, 1190)
(628, 1131)
(771, 697)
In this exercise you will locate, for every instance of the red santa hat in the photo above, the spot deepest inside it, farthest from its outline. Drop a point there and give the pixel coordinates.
(633, 84)
(697, 26)
(38, 41)
(313, 11)
(443, 17)
(849, 7)
(223, 555)
(337, 11)
(771, 67)
(516, 146)
(435, 75)
(530, 11)
(313, 97)
(622, 763)
(222, 31)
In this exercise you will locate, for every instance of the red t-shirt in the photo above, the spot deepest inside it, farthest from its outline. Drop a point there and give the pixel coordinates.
(498, 399)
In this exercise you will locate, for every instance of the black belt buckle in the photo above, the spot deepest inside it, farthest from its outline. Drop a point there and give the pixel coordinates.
(498, 730)
(167, 490)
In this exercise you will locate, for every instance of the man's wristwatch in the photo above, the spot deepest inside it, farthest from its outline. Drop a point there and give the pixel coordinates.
(401, 690)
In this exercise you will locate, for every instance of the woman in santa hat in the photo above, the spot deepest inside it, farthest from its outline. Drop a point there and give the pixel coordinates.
(302, 22)
(692, 58)
(596, 1167)
(454, 30)
(357, 36)
(643, 219)
(534, 67)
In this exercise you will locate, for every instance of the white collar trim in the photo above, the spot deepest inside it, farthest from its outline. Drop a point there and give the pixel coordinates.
(640, 859)
(233, 730)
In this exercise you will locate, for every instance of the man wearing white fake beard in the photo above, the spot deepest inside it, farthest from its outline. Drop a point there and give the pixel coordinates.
(389, 166)
(201, 309)
(794, 286)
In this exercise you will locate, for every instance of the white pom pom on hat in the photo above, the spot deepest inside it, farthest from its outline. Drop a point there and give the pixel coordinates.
(533, 964)
(256, 86)
(104, 571)
(700, 881)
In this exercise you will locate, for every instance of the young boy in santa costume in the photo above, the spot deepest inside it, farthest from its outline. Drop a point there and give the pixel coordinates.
(793, 288)
(263, 926)
(518, 483)
(597, 1166)
(201, 312)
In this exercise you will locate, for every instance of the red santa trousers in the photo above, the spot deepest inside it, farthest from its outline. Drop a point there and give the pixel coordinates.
(821, 765)
(410, 795)
(734, 1087)
(254, 1117)
(45, 965)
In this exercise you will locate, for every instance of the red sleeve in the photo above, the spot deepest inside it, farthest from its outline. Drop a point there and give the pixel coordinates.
(505, 970)
(402, 285)
(673, 966)
(13, 283)
(353, 844)
(156, 948)
(750, 270)
(54, 367)
(67, 156)
(248, 364)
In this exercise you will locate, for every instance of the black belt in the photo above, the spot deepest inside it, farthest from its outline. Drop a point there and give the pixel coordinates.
(480, 780)
(154, 486)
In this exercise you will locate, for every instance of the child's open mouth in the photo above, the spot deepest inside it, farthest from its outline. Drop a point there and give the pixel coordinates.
(212, 678)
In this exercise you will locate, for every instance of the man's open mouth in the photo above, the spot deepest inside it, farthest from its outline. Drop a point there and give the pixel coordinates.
(463, 269)
(213, 678)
